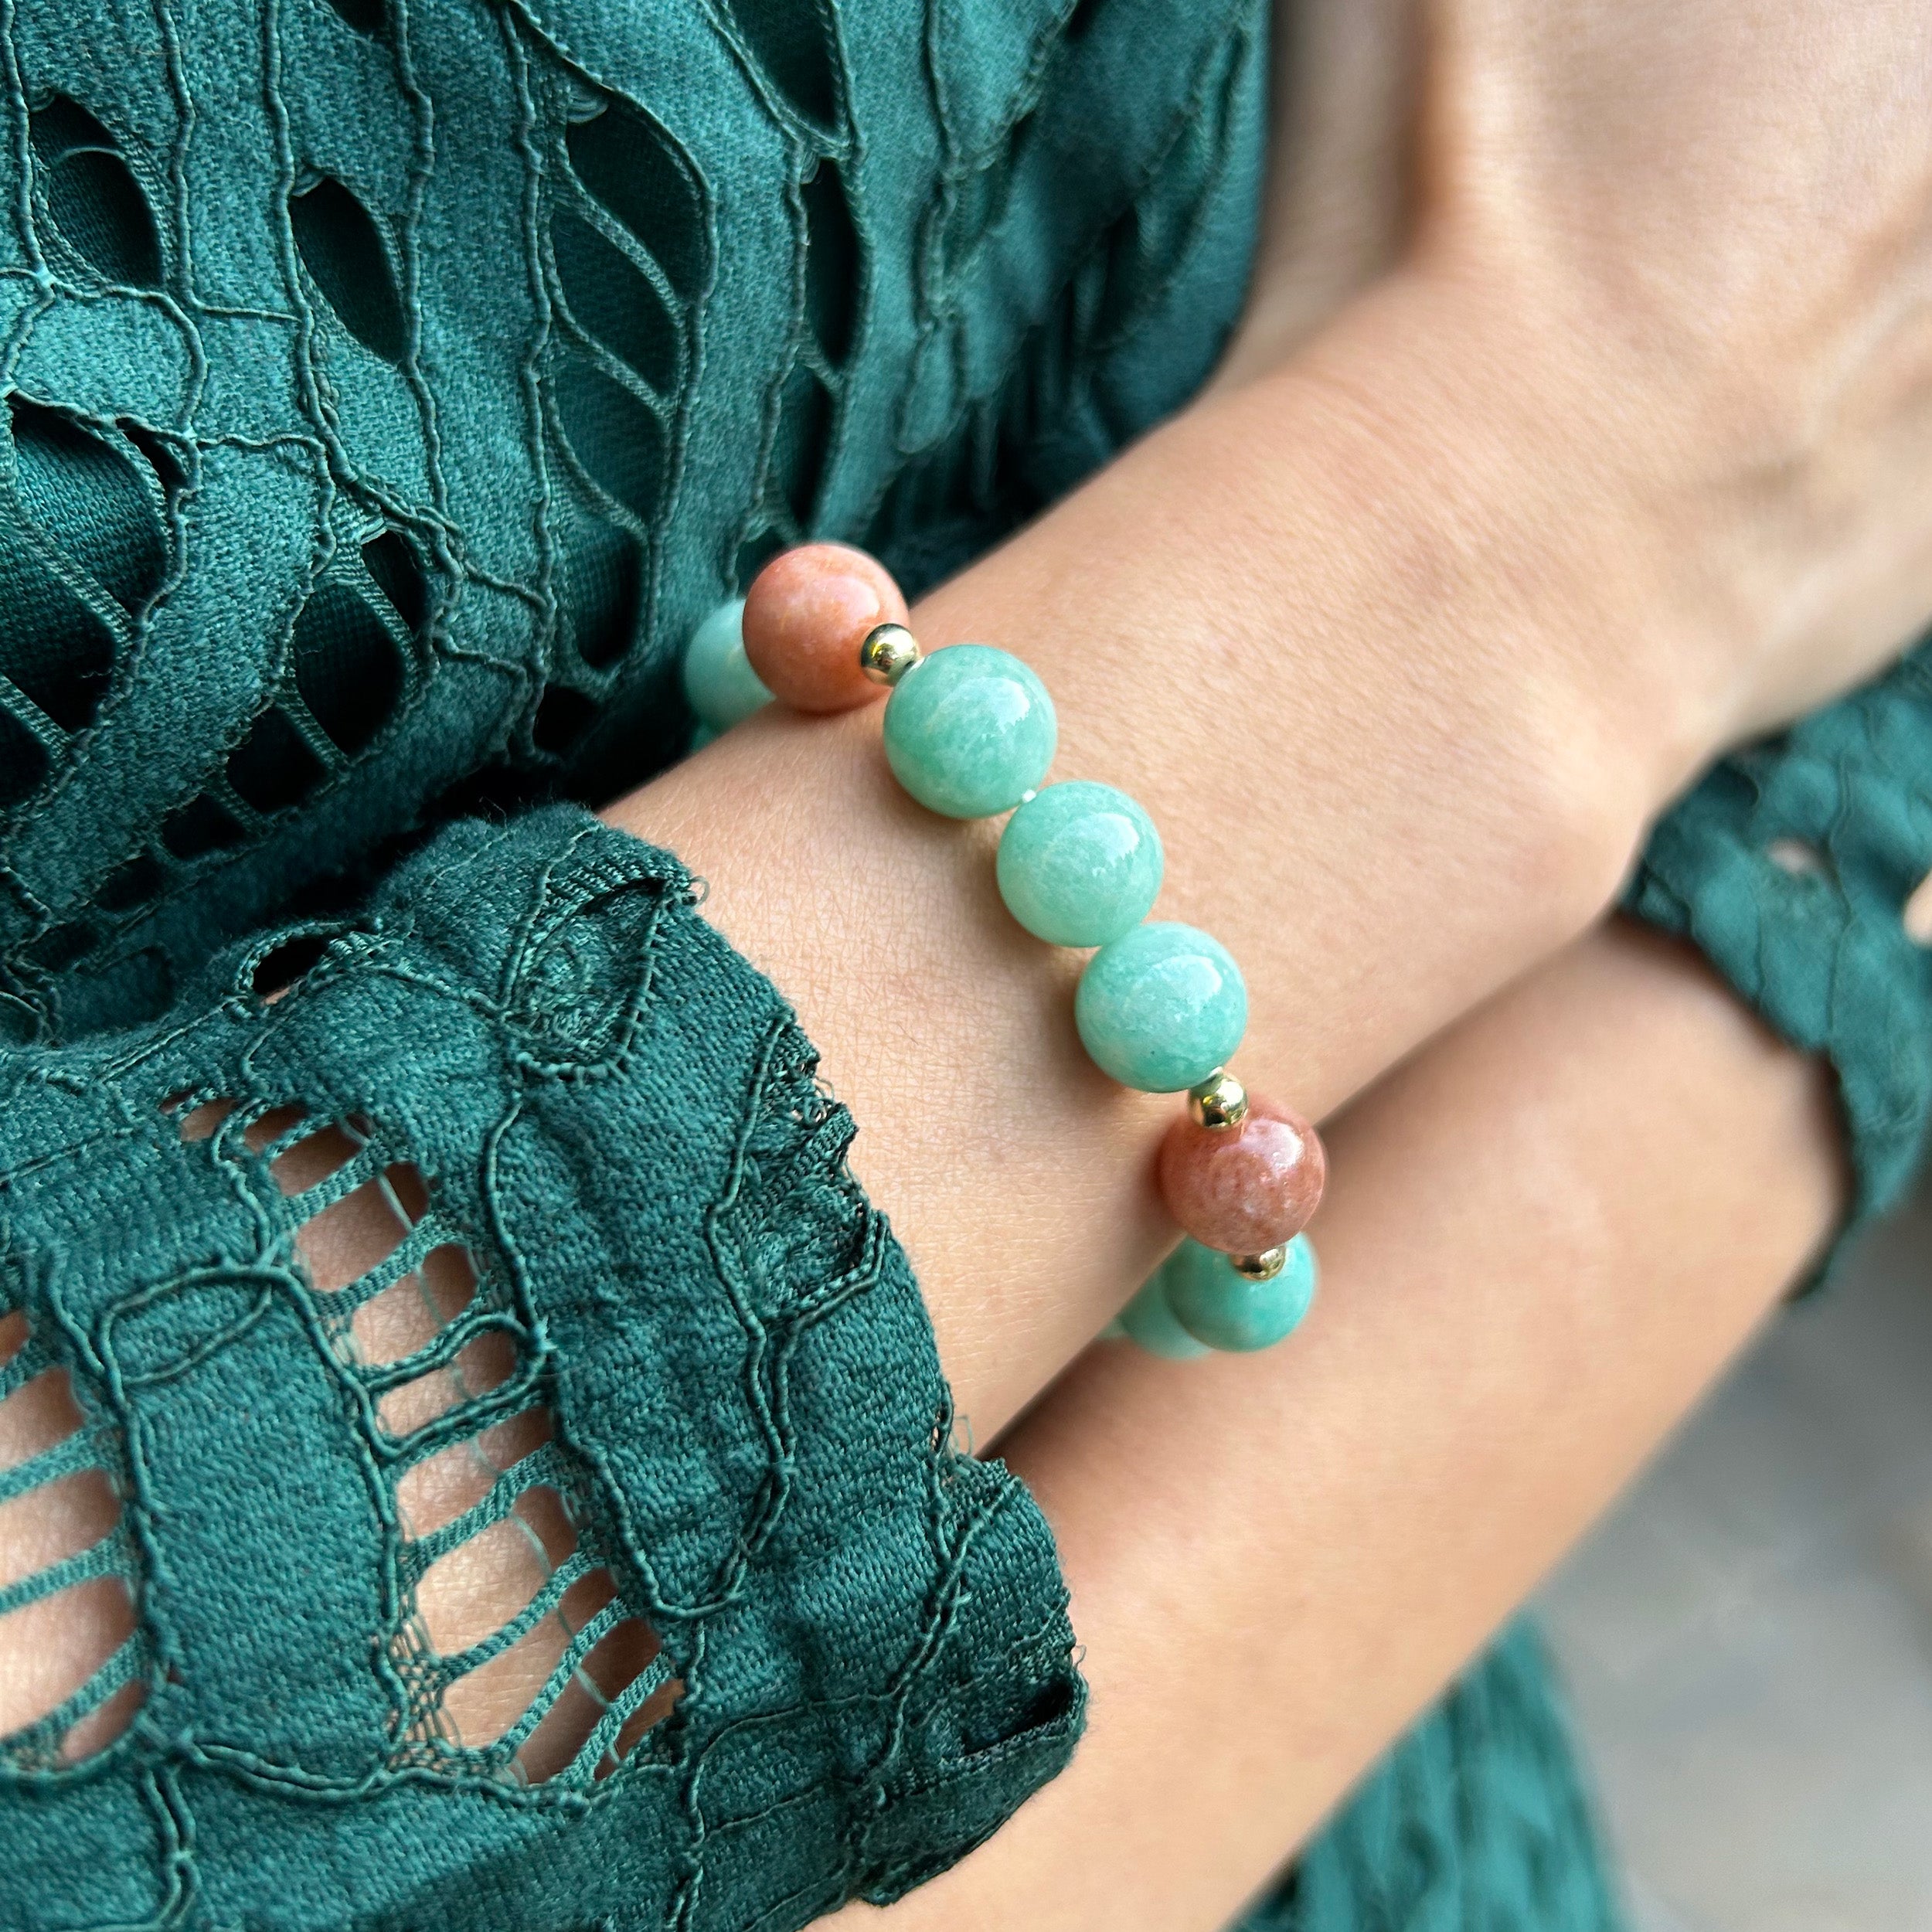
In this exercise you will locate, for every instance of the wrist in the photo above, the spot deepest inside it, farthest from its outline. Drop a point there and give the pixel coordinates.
(1644, 495)
(1514, 594)
(1348, 688)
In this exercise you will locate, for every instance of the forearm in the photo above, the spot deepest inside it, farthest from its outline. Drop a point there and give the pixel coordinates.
(1546, 1236)
(1386, 774)
(1370, 674)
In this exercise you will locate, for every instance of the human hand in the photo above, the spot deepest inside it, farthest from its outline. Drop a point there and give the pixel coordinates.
(1687, 251)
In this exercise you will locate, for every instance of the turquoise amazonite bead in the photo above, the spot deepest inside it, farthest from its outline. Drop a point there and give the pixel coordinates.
(970, 731)
(1162, 1007)
(717, 678)
(1079, 865)
(1210, 1301)
(1149, 1321)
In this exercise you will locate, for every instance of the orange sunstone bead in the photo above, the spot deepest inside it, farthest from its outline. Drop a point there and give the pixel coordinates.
(1245, 1189)
(806, 614)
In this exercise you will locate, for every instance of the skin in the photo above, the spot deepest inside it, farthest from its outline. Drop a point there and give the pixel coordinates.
(1545, 1239)
(1624, 454)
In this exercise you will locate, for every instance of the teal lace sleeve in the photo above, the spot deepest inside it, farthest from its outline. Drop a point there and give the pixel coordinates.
(858, 1657)
(1791, 867)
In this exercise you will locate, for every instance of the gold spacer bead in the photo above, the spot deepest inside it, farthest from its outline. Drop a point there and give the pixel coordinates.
(1260, 1267)
(1219, 1102)
(887, 653)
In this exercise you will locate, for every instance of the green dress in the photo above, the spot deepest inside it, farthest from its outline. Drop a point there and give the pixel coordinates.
(391, 385)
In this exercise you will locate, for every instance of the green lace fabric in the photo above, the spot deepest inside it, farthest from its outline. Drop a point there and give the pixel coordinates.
(393, 384)
(389, 386)
(1791, 866)
(744, 1424)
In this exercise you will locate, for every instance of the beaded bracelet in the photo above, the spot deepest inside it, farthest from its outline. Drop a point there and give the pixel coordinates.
(970, 732)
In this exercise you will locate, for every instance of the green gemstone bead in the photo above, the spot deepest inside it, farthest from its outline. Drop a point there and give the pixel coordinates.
(1148, 1321)
(1079, 865)
(1210, 1301)
(717, 678)
(1162, 1007)
(970, 731)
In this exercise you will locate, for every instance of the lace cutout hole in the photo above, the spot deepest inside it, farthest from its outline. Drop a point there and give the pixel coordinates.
(481, 1366)
(831, 262)
(39, 1415)
(265, 1129)
(804, 437)
(55, 649)
(411, 1313)
(483, 1703)
(53, 1521)
(56, 1644)
(628, 164)
(397, 571)
(1798, 858)
(88, 495)
(617, 440)
(132, 884)
(199, 1123)
(281, 966)
(95, 201)
(562, 717)
(349, 1237)
(754, 553)
(1916, 915)
(1079, 22)
(274, 767)
(439, 1489)
(343, 250)
(481, 1584)
(617, 1662)
(614, 303)
(92, 1734)
(202, 825)
(603, 593)
(348, 668)
(365, 16)
(23, 761)
(59, 948)
(309, 1161)
(794, 44)
(53, 1645)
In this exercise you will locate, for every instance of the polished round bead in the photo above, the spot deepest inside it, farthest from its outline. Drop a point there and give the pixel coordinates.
(970, 731)
(1246, 1190)
(888, 653)
(1162, 1007)
(1219, 1102)
(1080, 864)
(718, 677)
(1213, 1303)
(1149, 1321)
(808, 612)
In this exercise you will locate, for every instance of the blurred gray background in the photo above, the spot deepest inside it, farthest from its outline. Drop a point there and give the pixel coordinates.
(1748, 1637)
